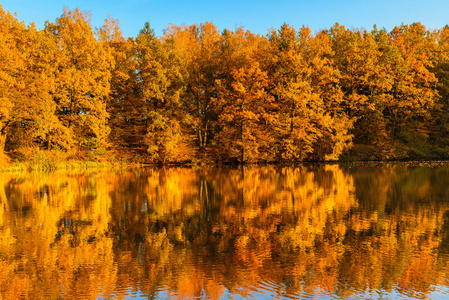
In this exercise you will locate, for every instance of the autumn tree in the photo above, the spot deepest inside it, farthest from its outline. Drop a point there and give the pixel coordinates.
(440, 68)
(293, 94)
(82, 79)
(413, 92)
(363, 81)
(385, 83)
(197, 47)
(11, 63)
(39, 123)
(242, 101)
(324, 79)
(120, 101)
(159, 86)
(302, 118)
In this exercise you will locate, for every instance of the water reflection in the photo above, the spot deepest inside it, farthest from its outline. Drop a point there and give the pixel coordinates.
(305, 232)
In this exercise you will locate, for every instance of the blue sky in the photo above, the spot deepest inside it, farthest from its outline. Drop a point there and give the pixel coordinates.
(257, 16)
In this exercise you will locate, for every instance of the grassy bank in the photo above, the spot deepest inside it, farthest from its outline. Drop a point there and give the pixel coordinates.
(30, 159)
(37, 159)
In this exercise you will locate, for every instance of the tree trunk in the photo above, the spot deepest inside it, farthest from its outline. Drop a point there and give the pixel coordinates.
(442, 127)
(3, 158)
(2, 143)
(242, 158)
(205, 136)
(200, 139)
(3, 137)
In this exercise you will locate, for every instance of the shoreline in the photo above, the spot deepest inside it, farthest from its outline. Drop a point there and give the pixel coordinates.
(84, 165)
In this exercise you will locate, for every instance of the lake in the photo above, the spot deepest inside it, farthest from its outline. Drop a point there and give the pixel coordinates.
(269, 232)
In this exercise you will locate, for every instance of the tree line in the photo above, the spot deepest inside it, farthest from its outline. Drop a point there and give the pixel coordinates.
(200, 94)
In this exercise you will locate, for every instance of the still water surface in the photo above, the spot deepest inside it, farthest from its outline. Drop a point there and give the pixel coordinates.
(309, 232)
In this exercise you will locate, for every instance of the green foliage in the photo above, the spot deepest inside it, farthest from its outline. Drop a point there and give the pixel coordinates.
(137, 159)
(37, 158)
(95, 150)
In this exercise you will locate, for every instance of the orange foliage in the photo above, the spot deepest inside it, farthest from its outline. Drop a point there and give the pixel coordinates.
(229, 97)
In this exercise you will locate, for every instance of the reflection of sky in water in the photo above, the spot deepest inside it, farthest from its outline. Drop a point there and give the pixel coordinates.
(439, 293)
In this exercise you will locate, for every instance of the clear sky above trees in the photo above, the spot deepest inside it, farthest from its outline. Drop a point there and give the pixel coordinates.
(257, 16)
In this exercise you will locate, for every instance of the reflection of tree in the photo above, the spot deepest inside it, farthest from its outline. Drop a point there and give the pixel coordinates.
(60, 224)
(207, 232)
